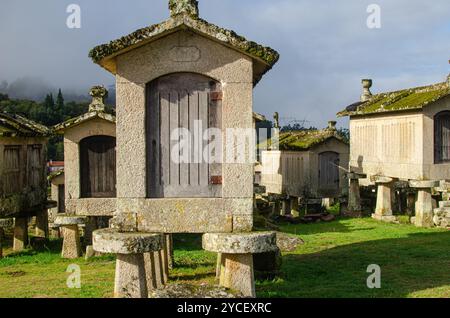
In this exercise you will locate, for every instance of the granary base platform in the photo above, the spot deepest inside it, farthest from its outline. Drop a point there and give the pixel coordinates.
(424, 202)
(136, 254)
(236, 257)
(71, 234)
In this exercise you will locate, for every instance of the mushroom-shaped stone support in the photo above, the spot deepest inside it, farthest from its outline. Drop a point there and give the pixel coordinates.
(130, 279)
(424, 202)
(237, 249)
(71, 234)
(4, 224)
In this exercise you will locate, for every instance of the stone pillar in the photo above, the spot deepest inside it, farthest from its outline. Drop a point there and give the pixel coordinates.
(276, 208)
(170, 256)
(424, 203)
(286, 207)
(354, 195)
(71, 243)
(4, 224)
(236, 259)
(132, 268)
(71, 235)
(42, 224)
(20, 234)
(130, 280)
(383, 210)
(91, 226)
(295, 210)
(410, 203)
(236, 272)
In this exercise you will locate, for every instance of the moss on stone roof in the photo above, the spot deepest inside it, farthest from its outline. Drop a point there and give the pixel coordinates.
(60, 128)
(403, 100)
(103, 53)
(303, 140)
(12, 125)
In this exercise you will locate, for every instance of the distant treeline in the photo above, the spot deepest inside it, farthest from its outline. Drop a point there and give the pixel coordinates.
(50, 112)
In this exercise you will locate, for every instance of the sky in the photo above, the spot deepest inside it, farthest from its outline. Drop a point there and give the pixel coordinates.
(326, 46)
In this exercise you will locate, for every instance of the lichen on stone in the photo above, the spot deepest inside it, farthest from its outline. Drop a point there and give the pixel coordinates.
(189, 7)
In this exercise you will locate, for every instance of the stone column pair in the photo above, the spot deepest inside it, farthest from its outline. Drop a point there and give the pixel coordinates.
(236, 251)
(132, 249)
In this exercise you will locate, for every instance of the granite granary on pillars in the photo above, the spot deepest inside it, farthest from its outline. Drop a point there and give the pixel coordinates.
(181, 73)
(307, 164)
(23, 177)
(401, 136)
(90, 167)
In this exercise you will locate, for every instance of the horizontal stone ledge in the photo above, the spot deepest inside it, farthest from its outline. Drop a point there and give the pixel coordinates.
(240, 243)
(381, 179)
(115, 242)
(63, 220)
(425, 184)
(6, 223)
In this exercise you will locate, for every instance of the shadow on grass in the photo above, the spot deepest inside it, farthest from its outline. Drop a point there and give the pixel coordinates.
(322, 227)
(416, 263)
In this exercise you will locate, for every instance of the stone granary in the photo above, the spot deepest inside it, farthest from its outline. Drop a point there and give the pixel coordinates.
(89, 183)
(181, 73)
(23, 181)
(308, 164)
(400, 136)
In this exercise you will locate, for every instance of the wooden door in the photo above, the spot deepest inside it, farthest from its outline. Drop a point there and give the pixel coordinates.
(329, 173)
(98, 167)
(194, 103)
(12, 178)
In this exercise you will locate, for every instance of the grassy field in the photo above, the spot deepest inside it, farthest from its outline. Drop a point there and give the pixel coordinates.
(332, 263)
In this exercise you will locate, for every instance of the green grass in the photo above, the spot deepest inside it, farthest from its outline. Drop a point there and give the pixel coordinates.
(332, 263)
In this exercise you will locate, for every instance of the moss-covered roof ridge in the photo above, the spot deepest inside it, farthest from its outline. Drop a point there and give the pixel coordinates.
(402, 100)
(302, 140)
(102, 54)
(12, 125)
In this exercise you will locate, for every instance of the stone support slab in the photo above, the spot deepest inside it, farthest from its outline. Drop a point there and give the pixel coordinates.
(42, 224)
(235, 257)
(354, 196)
(424, 208)
(383, 210)
(20, 234)
(130, 280)
(71, 243)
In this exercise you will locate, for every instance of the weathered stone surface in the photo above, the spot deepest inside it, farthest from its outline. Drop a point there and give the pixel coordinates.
(237, 273)
(384, 200)
(113, 241)
(240, 243)
(71, 243)
(63, 220)
(354, 196)
(155, 271)
(42, 224)
(89, 252)
(381, 179)
(288, 243)
(130, 281)
(92, 206)
(385, 218)
(193, 291)
(424, 208)
(20, 234)
(423, 184)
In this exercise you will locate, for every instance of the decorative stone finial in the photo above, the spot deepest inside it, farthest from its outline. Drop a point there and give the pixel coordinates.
(332, 125)
(367, 94)
(98, 93)
(189, 7)
(276, 118)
